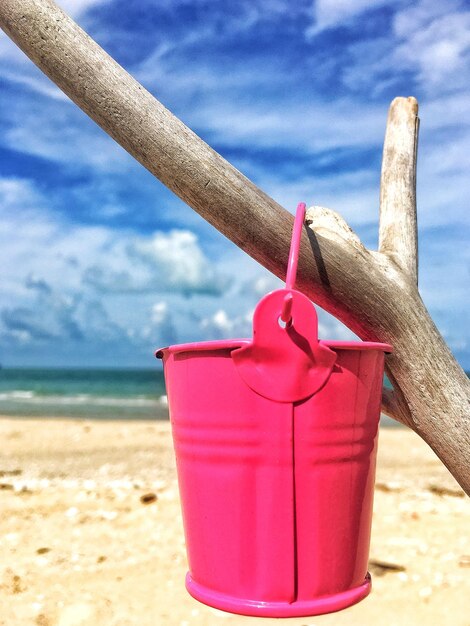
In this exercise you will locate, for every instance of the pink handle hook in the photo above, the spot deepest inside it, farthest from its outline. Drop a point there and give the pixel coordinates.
(293, 260)
(295, 245)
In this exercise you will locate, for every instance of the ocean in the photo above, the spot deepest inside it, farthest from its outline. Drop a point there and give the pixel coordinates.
(83, 393)
(88, 393)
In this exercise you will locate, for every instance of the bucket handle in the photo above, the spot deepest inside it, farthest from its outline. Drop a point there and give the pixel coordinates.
(291, 275)
(285, 362)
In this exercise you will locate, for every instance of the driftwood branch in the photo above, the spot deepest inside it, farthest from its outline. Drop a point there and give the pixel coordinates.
(398, 235)
(374, 293)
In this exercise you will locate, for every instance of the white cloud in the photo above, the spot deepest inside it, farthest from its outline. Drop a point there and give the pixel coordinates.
(429, 40)
(43, 259)
(220, 325)
(261, 284)
(48, 315)
(417, 15)
(333, 13)
(180, 260)
(44, 314)
(162, 328)
(297, 123)
(45, 253)
(46, 123)
(60, 132)
(39, 84)
(329, 328)
(438, 50)
(223, 325)
(170, 261)
(17, 193)
(10, 52)
(33, 239)
(16, 67)
(159, 312)
(219, 322)
(45, 301)
(46, 294)
(76, 8)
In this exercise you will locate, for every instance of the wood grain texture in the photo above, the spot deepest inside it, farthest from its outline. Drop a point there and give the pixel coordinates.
(374, 293)
(398, 234)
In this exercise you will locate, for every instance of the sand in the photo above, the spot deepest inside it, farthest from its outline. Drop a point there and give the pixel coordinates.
(90, 532)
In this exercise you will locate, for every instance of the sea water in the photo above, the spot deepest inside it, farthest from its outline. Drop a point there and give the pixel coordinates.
(90, 393)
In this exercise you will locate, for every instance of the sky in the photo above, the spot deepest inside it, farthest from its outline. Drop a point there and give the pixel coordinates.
(100, 264)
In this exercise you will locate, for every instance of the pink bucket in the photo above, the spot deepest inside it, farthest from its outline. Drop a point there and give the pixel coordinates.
(275, 441)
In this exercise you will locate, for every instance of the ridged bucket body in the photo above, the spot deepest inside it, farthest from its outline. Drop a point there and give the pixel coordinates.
(276, 496)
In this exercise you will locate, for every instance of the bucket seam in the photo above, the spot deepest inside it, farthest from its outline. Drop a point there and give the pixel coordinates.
(294, 504)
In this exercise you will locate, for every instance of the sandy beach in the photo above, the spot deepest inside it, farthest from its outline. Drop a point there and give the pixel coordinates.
(90, 532)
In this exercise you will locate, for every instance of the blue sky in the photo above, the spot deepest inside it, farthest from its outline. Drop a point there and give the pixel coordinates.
(101, 264)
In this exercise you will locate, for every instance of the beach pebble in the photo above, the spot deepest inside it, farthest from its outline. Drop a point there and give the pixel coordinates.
(425, 592)
(389, 486)
(169, 494)
(13, 472)
(76, 615)
(464, 560)
(71, 512)
(70, 483)
(81, 496)
(442, 490)
(105, 469)
(121, 484)
(107, 515)
(380, 568)
(148, 498)
(13, 582)
(42, 620)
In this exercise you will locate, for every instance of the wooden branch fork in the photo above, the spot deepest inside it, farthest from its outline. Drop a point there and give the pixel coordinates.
(374, 293)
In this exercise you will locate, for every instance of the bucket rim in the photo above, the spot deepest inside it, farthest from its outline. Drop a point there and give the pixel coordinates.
(233, 344)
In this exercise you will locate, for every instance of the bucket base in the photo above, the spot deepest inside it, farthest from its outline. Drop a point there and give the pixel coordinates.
(301, 608)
